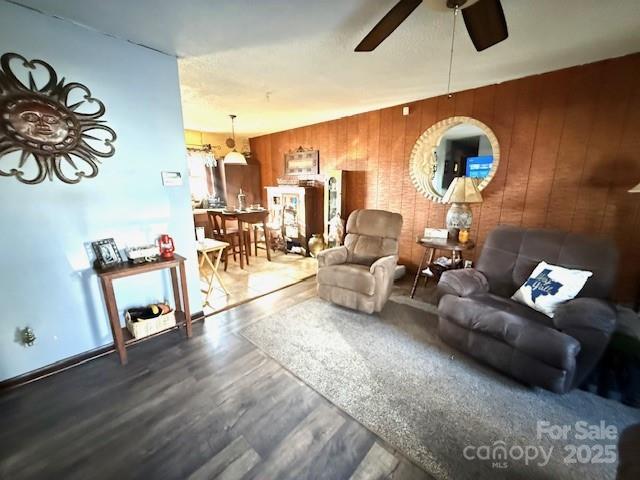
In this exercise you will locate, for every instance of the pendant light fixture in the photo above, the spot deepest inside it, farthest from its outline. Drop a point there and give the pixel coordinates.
(233, 157)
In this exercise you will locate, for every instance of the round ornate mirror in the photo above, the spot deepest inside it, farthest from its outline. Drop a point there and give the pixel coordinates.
(454, 147)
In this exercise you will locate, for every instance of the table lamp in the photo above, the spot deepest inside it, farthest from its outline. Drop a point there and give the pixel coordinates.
(635, 189)
(460, 194)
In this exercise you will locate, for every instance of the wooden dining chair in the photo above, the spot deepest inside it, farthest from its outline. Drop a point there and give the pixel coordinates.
(236, 238)
(257, 220)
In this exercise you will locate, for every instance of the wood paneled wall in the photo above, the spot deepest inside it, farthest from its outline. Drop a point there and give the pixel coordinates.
(570, 150)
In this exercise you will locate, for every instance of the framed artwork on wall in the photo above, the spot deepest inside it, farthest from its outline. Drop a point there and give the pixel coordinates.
(49, 128)
(302, 162)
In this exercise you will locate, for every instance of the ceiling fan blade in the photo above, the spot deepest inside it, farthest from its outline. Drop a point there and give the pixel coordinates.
(387, 25)
(485, 23)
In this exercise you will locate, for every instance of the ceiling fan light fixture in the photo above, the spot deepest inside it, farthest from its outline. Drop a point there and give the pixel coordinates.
(484, 19)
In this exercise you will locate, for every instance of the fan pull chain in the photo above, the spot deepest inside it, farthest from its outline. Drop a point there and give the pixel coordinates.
(453, 38)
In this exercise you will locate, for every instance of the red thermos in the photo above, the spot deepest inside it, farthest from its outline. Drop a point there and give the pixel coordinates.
(166, 246)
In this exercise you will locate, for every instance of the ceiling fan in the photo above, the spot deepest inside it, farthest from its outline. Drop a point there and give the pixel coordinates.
(484, 20)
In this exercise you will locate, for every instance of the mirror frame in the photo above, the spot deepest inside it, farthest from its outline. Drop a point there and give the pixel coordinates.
(422, 163)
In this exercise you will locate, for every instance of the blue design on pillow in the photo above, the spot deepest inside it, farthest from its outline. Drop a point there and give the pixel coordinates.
(542, 285)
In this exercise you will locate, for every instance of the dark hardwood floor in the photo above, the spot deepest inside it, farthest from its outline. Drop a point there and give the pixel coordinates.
(211, 407)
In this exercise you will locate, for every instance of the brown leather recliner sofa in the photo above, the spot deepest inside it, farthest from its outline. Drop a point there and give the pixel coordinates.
(478, 317)
(359, 274)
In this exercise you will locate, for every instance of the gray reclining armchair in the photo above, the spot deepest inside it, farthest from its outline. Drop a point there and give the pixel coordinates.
(359, 274)
(478, 317)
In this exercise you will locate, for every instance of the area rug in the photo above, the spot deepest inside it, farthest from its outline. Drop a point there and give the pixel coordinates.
(449, 414)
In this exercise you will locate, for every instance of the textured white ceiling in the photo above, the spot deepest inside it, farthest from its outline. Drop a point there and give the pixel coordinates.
(278, 64)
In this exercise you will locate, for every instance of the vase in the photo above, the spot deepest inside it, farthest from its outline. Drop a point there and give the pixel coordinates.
(459, 217)
(316, 244)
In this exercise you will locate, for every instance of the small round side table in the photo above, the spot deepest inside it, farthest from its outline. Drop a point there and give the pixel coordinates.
(430, 246)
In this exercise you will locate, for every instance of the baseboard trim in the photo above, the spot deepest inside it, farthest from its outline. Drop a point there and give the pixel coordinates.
(55, 367)
(67, 363)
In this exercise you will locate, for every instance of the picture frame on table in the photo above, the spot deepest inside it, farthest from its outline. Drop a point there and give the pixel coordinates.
(107, 253)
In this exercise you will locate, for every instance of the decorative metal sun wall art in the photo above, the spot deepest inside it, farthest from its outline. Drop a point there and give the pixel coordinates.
(49, 131)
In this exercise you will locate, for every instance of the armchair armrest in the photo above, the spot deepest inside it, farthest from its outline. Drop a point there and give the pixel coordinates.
(332, 256)
(383, 270)
(462, 282)
(387, 264)
(586, 314)
(590, 321)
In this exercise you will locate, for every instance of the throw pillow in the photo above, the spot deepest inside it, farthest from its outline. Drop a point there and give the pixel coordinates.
(550, 285)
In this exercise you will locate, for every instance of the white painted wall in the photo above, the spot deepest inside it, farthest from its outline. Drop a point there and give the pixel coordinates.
(46, 280)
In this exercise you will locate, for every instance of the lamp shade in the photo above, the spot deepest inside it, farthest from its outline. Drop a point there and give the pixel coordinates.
(462, 190)
(234, 158)
(635, 189)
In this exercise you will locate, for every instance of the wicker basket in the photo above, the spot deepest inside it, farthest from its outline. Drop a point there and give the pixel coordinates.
(144, 328)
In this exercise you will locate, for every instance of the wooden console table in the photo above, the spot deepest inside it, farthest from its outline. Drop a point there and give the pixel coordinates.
(431, 245)
(121, 336)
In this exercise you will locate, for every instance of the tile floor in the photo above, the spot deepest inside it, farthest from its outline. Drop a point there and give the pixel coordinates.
(257, 279)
